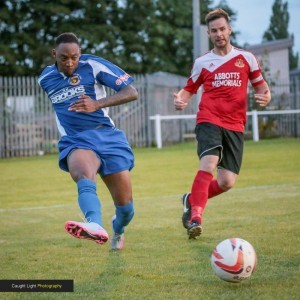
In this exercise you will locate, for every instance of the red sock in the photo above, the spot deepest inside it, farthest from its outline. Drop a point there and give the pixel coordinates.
(199, 194)
(214, 189)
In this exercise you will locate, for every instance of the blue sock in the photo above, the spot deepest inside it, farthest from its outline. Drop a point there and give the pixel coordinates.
(88, 201)
(124, 214)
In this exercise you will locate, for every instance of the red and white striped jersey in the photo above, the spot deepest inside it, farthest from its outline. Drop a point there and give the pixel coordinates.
(224, 80)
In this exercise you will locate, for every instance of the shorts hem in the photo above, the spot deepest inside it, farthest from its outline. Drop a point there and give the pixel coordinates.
(216, 147)
(115, 171)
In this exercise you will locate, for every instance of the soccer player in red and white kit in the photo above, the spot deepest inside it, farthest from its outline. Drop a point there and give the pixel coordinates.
(223, 73)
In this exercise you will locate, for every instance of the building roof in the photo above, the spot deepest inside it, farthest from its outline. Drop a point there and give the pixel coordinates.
(270, 46)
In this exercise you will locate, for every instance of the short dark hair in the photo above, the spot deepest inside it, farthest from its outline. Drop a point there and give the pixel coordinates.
(216, 14)
(67, 37)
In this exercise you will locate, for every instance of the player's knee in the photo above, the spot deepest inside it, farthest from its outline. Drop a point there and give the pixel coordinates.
(226, 184)
(78, 174)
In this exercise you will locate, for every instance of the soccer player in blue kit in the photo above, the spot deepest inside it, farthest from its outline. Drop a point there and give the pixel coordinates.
(90, 143)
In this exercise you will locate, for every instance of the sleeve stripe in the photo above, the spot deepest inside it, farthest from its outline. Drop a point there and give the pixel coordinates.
(257, 79)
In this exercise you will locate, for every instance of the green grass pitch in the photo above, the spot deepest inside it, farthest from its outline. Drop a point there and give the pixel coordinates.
(158, 261)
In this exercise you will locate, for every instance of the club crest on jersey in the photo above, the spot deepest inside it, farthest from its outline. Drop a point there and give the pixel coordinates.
(75, 79)
(239, 63)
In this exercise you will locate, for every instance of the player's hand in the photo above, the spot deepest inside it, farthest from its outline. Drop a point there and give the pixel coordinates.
(85, 104)
(263, 99)
(178, 103)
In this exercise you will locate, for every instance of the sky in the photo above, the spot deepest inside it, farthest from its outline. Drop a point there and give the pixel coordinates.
(253, 19)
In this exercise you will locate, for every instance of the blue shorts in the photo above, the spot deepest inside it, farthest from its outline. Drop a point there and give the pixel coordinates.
(109, 143)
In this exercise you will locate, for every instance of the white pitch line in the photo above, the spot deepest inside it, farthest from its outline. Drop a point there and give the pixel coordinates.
(151, 198)
(34, 208)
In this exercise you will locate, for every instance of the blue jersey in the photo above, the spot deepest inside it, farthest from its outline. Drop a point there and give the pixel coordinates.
(90, 77)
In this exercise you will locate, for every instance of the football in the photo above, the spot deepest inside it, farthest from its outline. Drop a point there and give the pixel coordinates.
(234, 260)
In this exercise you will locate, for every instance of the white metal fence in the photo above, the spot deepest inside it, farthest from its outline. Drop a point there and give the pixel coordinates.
(255, 122)
(28, 127)
(27, 120)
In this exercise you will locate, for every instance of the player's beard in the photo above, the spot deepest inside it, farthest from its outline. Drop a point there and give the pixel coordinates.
(221, 44)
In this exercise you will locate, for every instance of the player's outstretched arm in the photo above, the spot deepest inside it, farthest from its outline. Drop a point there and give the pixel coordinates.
(182, 99)
(262, 94)
(86, 104)
(127, 94)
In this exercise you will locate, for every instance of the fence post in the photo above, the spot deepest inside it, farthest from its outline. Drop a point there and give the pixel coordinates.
(255, 126)
(158, 131)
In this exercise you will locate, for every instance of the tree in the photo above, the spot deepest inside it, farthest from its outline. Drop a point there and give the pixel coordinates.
(141, 36)
(278, 28)
(154, 35)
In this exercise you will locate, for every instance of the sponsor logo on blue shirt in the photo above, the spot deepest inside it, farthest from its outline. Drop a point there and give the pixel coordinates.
(67, 94)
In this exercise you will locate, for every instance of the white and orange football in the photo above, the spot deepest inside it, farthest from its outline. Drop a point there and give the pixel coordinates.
(234, 260)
